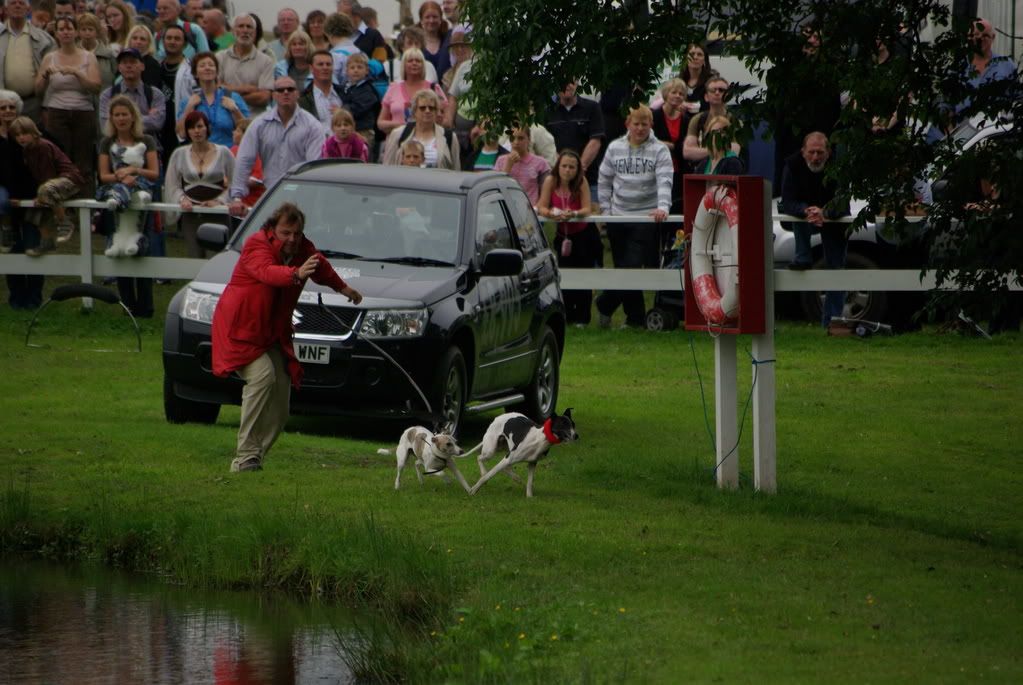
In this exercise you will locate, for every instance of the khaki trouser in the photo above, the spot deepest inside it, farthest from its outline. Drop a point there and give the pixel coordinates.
(266, 400)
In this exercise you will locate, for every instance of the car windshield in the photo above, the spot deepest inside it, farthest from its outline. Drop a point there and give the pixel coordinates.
(363, 222)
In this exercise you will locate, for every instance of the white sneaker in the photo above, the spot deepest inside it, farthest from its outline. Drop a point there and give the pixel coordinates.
(65, 231)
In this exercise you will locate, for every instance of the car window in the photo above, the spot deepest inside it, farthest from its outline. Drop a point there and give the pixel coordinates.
(370, 222)
(527, 227)
(492, 229)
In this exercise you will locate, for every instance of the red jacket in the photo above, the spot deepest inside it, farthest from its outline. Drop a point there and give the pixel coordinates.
(254, 313)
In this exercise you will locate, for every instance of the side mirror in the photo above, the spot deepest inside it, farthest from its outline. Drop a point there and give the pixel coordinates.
(501, 262)
(938, 189)
(212, 236)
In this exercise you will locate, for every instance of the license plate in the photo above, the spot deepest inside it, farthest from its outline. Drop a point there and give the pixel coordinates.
(308, 353)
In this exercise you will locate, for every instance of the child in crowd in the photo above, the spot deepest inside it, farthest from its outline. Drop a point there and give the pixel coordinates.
(412, 153)
(360, 97)
(566, 195)
(345, 143)
(489, 152)
(58, 178)
(256, 187)
(522, 165)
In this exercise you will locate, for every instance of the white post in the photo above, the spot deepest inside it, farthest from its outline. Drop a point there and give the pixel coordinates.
(764, 438)
(725, 412)
(85, 238)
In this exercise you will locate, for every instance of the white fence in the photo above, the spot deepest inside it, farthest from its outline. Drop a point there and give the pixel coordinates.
(88, 266)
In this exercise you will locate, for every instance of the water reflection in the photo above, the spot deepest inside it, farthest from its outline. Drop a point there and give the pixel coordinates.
(92, 626)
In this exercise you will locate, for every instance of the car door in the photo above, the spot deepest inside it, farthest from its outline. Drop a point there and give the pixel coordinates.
(496, 306)
(537, 274)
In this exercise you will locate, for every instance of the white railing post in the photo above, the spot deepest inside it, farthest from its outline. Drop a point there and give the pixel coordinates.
(85, 250)
(764, 437)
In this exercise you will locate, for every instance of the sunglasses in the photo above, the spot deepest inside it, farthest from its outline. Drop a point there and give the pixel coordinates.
(717, 90)
(426, 108)
(286, 89)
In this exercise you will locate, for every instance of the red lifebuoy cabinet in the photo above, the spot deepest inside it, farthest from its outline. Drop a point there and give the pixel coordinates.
(729, 244)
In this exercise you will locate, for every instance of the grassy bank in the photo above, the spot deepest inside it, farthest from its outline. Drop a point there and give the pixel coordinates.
(890, 554)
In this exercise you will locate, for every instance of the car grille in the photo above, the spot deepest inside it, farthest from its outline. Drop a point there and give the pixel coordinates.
(309, 319)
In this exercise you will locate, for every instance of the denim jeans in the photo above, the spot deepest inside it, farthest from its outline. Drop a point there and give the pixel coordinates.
(835, 242)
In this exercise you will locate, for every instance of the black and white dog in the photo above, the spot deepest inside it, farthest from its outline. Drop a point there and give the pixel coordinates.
(433, 453)
(524, 441)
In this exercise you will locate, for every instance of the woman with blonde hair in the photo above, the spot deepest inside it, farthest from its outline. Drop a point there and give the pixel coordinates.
(437, 36)
(297, 62)
(141, 38)
(119, 18)
(92, 36)
(440, 147)
(396, 108)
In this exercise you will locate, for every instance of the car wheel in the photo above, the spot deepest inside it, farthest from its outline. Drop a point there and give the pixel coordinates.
(869, 305)
(542, 393)
(180, 410)
(658, 319)
(450, 391)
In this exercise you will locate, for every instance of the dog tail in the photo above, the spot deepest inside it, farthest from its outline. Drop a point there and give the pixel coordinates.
(467, 453)
(384, 450)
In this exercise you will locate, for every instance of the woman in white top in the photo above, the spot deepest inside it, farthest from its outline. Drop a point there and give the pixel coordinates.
(440, 147)
(67, 80)
(198, 175)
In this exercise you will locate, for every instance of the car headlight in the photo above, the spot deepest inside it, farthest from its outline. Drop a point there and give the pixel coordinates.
(394, 323)
(199, 306)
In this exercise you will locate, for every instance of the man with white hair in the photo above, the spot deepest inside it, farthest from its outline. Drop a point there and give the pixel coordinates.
(807, 193)
(287, 24)
(246, 70)
(168, 12)
(22, 47)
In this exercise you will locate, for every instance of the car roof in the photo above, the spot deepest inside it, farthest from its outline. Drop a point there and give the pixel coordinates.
(408, 178)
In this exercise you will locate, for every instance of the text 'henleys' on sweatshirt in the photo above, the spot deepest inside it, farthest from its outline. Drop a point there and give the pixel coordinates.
(635, 179)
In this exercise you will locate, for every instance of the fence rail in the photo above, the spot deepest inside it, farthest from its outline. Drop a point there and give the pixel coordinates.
(88, 266)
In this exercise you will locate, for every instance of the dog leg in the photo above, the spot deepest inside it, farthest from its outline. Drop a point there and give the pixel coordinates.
(419, 472)
(531, 467)
(458, 474)
(489, 474)
(402, 457)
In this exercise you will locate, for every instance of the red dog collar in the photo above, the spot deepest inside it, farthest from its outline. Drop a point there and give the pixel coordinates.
(547, 433)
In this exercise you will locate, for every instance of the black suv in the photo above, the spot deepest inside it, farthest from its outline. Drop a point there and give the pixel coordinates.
(460, 288)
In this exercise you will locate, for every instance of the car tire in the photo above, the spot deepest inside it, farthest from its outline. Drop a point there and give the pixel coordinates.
(658, 319)
(450, 390)
(859, 304)
(542, 393)
(180, 410)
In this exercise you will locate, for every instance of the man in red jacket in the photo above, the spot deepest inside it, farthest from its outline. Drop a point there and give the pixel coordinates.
(252, 328)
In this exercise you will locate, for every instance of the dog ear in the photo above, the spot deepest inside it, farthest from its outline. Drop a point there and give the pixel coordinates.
(568, 413)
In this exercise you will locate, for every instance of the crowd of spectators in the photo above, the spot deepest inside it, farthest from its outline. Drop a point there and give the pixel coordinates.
(223, 112)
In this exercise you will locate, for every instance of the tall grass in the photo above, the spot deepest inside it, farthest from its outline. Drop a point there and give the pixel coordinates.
(890, 553)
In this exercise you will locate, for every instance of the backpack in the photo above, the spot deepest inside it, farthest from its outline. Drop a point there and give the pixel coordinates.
(379, 77)
(448, 134)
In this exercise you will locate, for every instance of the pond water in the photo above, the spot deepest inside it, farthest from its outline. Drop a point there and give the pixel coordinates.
(95, 626)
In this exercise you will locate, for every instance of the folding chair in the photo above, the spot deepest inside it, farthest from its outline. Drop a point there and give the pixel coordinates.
(67, 292)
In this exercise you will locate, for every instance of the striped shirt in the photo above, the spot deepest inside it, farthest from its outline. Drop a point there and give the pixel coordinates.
(279, 146)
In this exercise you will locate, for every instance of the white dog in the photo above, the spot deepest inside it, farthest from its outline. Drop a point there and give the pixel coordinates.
(125, 241)
(433, 454)
(524, 441)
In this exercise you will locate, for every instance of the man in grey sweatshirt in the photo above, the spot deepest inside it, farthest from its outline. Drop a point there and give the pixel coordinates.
(635, 178)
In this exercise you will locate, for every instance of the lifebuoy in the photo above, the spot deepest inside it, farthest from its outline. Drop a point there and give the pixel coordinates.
(716, 291)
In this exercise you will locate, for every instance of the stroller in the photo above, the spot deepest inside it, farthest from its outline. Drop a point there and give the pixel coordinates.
(669, 306)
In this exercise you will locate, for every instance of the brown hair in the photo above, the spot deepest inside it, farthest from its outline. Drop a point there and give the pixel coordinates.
(24, 125)
(342, 116)
(289, 213)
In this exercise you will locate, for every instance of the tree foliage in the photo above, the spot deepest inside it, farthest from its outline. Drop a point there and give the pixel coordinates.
(527, 48)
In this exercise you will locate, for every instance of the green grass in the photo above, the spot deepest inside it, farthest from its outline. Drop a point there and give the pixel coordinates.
(891, 552)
